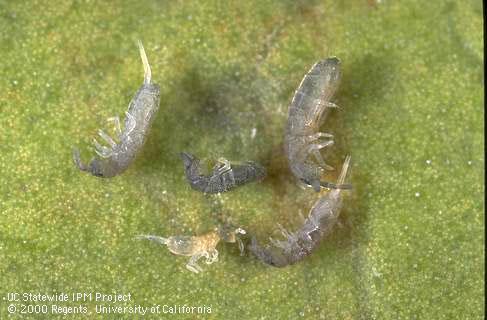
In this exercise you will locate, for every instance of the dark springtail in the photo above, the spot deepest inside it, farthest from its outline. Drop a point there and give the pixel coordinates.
(225, 176)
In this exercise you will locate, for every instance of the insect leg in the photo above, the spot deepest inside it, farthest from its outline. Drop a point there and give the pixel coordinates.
(107, 138)
(318, 135)
(341, 179)
(206, 254)
(240, 246)
(330, 185)
(277, 243)
(77, 160)
(321, 161)
(284, 232)
(318, 146)
(320, 104)
(118, 127)
(192, 265)
(224, 173)
(193, 268)
(316, 153)
(226, 165)
(211, 256)
(314, 149)
(102, 151)
(315, 115)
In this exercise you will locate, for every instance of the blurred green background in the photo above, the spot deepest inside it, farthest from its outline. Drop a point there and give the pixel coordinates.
(410, 244)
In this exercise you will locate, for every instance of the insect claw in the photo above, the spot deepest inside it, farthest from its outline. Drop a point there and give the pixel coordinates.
(240, 246)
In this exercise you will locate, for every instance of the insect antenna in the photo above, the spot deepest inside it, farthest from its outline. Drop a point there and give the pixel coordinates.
(343, 174)
(145, 62)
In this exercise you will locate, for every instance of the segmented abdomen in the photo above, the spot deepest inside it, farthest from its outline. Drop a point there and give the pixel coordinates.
(322, 218)
(139, 118)
(299, 244)
(142, 109)
(316, 89)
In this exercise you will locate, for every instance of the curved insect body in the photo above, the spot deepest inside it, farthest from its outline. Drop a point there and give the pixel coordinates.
(322, 218)
(307, 111)
(225, 176)
(199, 246)
(115, 158)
